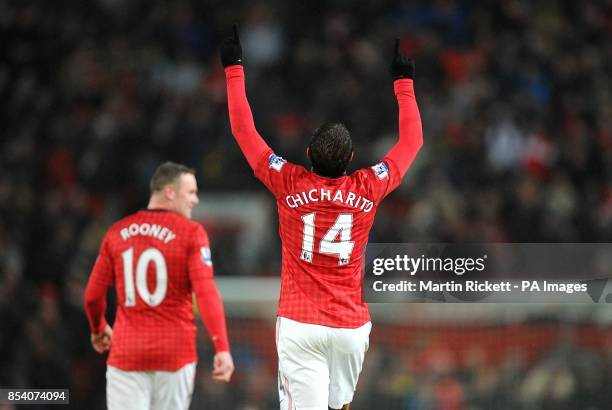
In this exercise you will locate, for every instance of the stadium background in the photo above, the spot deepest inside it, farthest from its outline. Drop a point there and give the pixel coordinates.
(516, 101)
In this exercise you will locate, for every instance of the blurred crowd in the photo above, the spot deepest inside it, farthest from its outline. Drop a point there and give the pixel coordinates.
(515, 97)
(423, 370)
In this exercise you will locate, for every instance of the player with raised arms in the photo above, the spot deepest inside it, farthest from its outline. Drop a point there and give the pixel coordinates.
(156, 259)
(325, 217)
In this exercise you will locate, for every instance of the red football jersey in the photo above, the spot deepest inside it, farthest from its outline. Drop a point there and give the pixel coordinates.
(324, 226)
(324, 222)
(152, 257)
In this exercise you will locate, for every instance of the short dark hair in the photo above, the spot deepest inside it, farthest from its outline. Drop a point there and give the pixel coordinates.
(330, 149)
(168, 173)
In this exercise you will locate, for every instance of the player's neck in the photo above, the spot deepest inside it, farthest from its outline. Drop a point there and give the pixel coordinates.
(155, 203)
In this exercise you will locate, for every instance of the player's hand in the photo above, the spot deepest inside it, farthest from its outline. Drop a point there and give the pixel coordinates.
(401, 66)
(101, 342)
(231, 50)
(223, 367)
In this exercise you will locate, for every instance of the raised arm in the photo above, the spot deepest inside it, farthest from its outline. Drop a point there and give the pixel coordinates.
(410, 128)
(241, 118)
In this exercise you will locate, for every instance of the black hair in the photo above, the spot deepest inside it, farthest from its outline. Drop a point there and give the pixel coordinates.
(330, 149)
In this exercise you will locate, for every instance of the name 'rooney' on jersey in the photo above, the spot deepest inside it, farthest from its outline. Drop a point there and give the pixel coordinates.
(321, 194)
(156, 231)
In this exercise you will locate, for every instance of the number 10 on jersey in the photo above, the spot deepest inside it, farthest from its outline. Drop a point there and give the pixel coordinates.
(150, 255)
(328, 244)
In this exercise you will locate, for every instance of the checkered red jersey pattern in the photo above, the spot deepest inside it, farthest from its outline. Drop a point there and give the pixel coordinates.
(152, 257)
(324, 225)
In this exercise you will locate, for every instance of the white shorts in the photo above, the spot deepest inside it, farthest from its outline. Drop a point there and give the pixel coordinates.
(154, 390)
(318, 366)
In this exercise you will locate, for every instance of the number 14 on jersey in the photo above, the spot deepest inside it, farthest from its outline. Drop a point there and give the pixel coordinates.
(328, 245)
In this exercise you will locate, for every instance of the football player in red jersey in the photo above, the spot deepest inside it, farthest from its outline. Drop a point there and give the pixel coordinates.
(325, 217)
(156, 258)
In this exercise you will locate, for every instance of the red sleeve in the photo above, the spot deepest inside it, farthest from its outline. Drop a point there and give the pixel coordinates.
(410, 129)
(277, 174)
(390, 171)
(100, 280)
(241, 118)
(207, 296)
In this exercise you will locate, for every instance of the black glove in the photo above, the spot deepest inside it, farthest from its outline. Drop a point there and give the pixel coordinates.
(231, 50)
(401, 66)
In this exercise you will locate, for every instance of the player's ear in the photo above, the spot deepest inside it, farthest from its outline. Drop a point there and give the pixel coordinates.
(351, 156)
(169, 192)
(308, 153)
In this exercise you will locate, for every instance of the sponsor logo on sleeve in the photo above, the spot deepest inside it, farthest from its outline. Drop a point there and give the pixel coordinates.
(381, 170)
(206, 256)
(276, 162)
